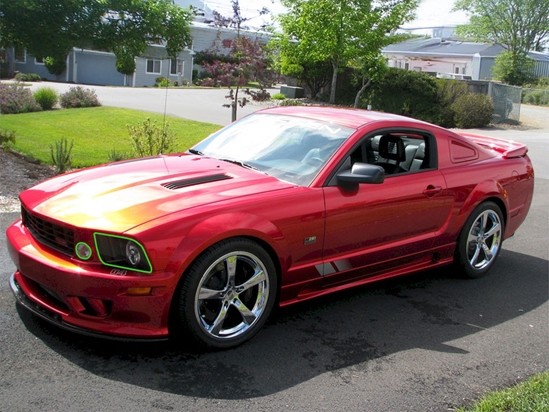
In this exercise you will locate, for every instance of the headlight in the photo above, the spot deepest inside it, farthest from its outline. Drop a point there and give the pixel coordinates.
(122, 252)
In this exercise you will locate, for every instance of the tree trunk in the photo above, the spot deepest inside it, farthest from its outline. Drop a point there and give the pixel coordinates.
(234, 105)
(335, 66)
(364, 87)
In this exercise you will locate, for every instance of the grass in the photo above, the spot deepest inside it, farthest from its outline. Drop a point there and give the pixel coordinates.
(96, 131)
(529, 396)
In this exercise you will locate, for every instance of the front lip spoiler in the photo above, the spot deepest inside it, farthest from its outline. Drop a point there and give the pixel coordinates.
(56, 320)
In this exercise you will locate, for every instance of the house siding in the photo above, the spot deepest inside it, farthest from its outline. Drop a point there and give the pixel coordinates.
(97, 68)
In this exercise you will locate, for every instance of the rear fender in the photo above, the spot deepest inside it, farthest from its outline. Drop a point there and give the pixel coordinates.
(488, 189)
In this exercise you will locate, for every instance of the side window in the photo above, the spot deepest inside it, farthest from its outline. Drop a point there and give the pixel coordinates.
(397, 152)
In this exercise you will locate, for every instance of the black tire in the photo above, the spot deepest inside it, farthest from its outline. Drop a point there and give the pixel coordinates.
(480, 240)
(226, 295)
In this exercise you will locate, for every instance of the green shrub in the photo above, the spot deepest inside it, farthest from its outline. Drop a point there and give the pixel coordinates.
(291, 102)
(15, 98)
(162, 82)
(28, 77)
(7, 139)
(79, 97)
(115, 156)
(448, 92)
(149, 139)
(278, 96)
(537, 96)
(407, 92)
(61, 155)
(472, 110)
(46, 97)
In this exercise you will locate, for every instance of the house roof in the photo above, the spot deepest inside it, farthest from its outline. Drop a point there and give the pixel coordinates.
(443, 47)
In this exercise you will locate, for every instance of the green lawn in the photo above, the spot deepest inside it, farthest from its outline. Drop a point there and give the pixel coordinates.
(96, 132)
(529, 396)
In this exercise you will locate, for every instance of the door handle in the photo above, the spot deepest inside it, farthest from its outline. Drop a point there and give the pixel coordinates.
(432, 190)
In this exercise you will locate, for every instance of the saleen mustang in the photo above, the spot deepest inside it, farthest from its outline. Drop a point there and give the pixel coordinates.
(284, 205)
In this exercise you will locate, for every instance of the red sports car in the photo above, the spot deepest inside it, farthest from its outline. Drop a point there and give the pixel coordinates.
(284, 205)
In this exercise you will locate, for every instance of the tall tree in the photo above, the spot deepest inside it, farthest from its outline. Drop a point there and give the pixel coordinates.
(49, 29)
(338, 31)
(520, 25)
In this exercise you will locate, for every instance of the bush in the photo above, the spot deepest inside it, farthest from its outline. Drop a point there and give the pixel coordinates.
(291, 102)
(115, 156)
(79, 97)
(28, 77)
(14, 98)
(472, 110)
(278, 96)
(7, 139)
(149, 139)
(406, 92)
(537, 96)
(55, 66)
(46, 97)
(61, 155)
(162, 82)
(448, 92)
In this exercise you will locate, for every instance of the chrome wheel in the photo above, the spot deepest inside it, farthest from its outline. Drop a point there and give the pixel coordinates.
(232, 295)
(484, 239)
(225, 296)
(480, 240)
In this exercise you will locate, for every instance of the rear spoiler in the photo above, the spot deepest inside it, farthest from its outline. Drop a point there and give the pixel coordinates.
(506, 148)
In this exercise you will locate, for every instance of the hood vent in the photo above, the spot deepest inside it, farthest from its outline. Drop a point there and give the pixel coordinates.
(179, 184)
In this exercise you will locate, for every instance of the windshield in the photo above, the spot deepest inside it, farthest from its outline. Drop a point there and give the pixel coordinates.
(289, 148)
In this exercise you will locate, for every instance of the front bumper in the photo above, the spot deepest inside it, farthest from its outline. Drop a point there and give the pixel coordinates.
(87, 300)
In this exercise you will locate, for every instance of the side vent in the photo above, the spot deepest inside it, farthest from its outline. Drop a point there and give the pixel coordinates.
(179, 184)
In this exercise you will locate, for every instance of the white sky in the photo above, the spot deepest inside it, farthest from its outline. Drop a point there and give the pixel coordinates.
(429, 13)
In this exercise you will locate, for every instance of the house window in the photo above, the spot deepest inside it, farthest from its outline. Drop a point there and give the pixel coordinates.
(407, 66)
(20, 55)
(39, 60)
(153, 66)
(176, 66)
(456, 70)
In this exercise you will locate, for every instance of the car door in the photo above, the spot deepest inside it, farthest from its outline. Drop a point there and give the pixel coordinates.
(371, 228)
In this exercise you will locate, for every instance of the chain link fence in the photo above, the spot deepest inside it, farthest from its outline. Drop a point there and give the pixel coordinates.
(507, 100)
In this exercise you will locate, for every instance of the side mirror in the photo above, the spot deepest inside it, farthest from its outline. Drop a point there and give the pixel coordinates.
(362, 173)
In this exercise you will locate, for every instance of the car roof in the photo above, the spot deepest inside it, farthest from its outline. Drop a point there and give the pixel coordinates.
(343, 116)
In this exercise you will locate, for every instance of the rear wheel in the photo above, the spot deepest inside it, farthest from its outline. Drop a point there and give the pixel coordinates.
(480, 240)
(227, 294)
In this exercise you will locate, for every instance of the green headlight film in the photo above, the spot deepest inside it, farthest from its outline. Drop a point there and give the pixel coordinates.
(112, 252)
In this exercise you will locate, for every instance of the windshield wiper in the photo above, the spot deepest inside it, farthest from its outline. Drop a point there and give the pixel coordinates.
(195, 152)
(239, 163)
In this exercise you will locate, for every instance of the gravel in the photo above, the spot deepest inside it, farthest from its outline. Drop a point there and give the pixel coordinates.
(17, 174)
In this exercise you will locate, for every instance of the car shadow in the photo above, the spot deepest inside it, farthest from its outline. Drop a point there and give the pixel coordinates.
(358, 328)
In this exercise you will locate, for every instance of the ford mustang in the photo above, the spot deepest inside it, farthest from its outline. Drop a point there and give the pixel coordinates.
(286, 204)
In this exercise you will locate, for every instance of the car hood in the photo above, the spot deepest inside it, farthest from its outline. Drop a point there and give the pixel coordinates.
(119, 196)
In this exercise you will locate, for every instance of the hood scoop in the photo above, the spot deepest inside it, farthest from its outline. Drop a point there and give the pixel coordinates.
(179, 184)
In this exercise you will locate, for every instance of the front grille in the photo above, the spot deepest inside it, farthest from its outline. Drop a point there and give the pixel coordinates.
(55, 236)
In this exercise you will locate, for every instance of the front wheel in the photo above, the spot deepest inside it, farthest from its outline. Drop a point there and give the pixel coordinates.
(480, 240)
(227, 294)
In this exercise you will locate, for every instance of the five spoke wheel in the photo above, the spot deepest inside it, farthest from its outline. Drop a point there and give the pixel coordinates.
(480, 239)
(226, 295)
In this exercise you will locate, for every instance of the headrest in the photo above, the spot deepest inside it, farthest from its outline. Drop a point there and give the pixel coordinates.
(392, 148)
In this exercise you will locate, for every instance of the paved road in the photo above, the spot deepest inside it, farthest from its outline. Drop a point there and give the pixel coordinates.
(203, 105)
(421, 343)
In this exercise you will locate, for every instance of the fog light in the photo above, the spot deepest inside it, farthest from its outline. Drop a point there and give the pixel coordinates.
(139, 291)
(83, 251)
